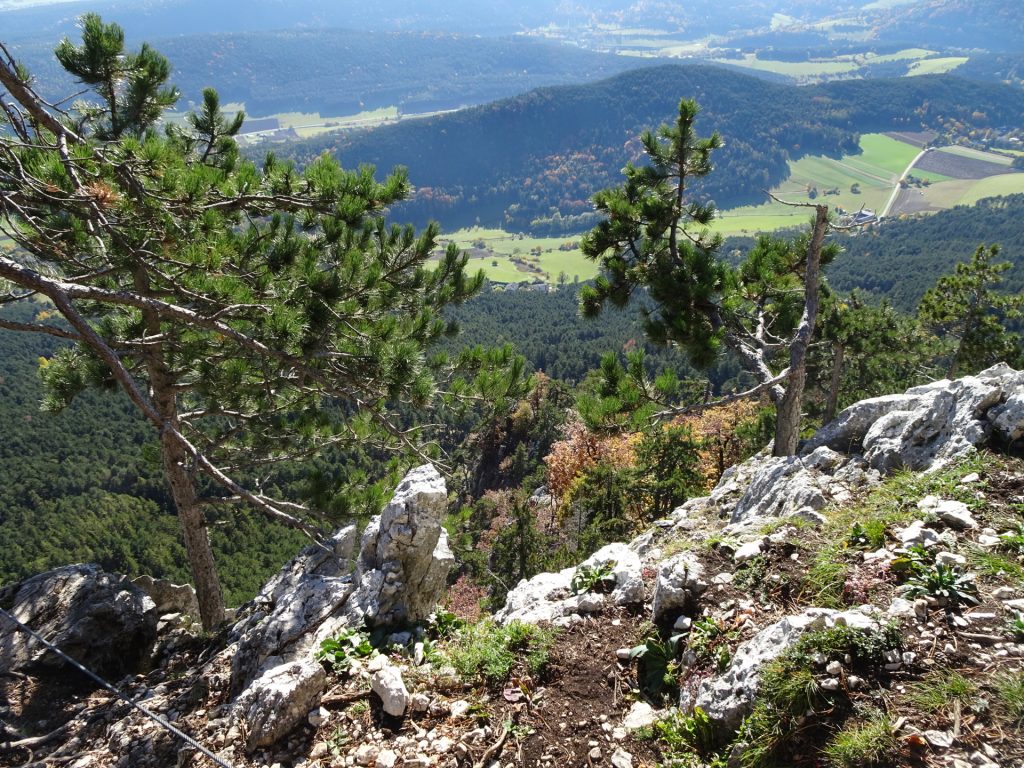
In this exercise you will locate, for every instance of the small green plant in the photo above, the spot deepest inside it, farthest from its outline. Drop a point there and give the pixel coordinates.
(939, 692)
(865, 647)
(1013, 540)
(339, 652)
(945, 582)
(710, 641)
(866, 742)
(588, 578)
(1015, 626)
(517, 731)
(868, 535)
(912, 560)
(1009, 695)
(489, 652)
(658, 664)
(683, 738)
(752, 575)
(444, 624)
(338, 739)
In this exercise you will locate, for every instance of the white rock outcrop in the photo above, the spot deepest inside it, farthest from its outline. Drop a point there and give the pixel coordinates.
(404, 557)
(387, 683)
(548, 597)
(728, 697)
(280, 699)
(930, 426)
(400, 574)
(680, 581)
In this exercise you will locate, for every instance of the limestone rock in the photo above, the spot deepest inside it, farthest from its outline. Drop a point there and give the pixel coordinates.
(100, 619)
(955, 514)
(795, 486)
(286, 618)
(169, 597)
(930, 426)
(537, 599)
(387, 683)
(916, 533)
(1007, 418)
(728, 697)
(627, 570)
(748, 551)
(279, 700)
(640, 715)
(547, 597)
(679, 582)
(404, 556)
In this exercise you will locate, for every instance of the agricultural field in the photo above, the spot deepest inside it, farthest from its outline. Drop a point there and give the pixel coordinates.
(305, 125)
(957, 176)
(937, 66)
(850, 182)
(798, 70)
(509, 258)
(920, 61)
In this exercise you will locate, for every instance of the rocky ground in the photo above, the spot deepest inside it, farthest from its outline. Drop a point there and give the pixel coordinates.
(825, 609)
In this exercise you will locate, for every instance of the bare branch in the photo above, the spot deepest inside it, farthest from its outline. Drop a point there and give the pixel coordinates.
(50, 330)
(725, 400)
(28, 98)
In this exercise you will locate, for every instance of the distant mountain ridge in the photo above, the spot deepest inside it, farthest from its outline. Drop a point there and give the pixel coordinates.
(532, 162)
(344, 71)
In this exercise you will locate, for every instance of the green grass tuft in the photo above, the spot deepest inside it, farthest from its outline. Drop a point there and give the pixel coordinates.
(867, 743)
(489, 652)
(1009, 695)
(938, 692)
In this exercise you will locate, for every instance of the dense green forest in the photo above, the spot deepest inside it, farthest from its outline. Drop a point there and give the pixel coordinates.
(342, 72)
(992, 25)
(531, 163)
(901, 259)
(85, 485)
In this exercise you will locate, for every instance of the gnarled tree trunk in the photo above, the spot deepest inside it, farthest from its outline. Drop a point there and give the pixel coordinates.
(787, 412)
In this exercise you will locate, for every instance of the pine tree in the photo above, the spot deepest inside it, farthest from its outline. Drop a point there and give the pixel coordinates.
(252, 314)
(966, 308)
(655, 236)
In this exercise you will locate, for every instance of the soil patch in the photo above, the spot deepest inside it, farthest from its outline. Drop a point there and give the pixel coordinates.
(587, 692)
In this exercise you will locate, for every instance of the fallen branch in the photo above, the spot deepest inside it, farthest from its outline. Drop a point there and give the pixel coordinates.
(492, 750)
(35, 741)
(343, 698)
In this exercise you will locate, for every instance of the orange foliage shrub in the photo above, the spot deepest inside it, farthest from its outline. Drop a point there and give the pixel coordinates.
(581, 450)
(716, 429)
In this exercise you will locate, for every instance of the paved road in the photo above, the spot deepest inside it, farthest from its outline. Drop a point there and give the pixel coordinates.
(896, 189)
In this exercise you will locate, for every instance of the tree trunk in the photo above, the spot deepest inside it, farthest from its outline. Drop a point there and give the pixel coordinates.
(180, 477)
(837, 379)
(194, 531)
(787, 420)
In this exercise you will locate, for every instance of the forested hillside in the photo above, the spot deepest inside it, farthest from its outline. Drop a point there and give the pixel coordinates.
(85, 485)
(532, 162)
(901, 259)
(994, 25)
(342, 72)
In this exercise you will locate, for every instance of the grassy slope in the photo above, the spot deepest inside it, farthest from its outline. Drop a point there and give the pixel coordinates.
(876, 169)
